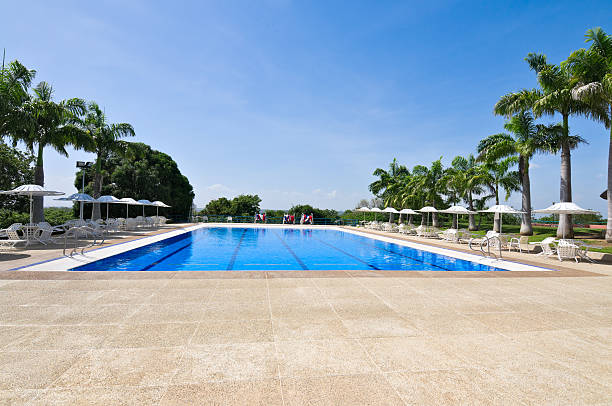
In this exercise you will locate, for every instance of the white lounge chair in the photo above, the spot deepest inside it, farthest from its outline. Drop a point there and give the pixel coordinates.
(547, 246)
(518, 243)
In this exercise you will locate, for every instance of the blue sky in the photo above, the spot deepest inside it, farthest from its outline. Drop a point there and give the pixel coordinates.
(300, 101)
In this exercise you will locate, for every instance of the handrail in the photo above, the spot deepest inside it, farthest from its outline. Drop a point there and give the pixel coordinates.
(76, 232)
(487, 242)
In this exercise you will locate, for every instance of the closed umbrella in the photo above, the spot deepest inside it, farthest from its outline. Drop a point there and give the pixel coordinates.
(375, 210)
(428, 209)
(391, 211)
(565, 208)
(81, 198)
(108, 200)
(457, 210)
(127, 201)
(31, 191)
(159, 204)
(501, 209)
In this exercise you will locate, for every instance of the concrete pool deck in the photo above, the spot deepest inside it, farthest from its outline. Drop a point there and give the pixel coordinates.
(314, 337)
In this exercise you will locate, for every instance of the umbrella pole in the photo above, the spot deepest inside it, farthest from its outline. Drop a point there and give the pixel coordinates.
(501, 215)
(107, 204)
(31, 217)
(127, 211)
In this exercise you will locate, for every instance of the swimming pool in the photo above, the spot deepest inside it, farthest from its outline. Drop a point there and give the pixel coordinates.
(275, 248)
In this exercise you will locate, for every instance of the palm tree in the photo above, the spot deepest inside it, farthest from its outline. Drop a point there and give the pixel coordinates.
(556, 97)
(498, 177)
(389, 181)
(466, 177)
(15, 80)
(524, 142)
(591, 71)
(45, 123)
(106, 140)
(430, 183)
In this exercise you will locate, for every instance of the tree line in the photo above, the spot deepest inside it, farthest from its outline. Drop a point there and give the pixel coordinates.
(581, 85)
(30, 115)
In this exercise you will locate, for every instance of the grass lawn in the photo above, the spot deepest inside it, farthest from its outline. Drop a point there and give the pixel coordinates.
(588, 235)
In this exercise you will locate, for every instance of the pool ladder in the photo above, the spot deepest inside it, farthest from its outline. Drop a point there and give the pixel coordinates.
(487, 243)
(76, 234)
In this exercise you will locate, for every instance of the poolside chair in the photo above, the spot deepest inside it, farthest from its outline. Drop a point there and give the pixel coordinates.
(567, 250)
(547, 246)
(13, 237)
(518, 243)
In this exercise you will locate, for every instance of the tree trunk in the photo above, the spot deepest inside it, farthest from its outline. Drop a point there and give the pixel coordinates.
(410, 219)
(455, 221)
(38, 209)
(496, 217)
(526, 228)
(401, 218)
(423, 219)
(435, 222)
(471, 218)
(97, 191)
(609, 226)
(565, 229)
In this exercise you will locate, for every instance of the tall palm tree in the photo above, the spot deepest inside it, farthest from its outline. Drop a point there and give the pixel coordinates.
(524, 142)
(591, 71)
(45, 123)
(389, 181)
(499, 176)
(15, 80)
(430, 182)
(466, 177)
(556, 97)
(106, 139)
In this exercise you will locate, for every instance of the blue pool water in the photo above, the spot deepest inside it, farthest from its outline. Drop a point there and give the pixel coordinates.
(248, 249)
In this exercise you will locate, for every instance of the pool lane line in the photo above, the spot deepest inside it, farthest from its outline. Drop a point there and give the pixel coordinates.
(299, 261)
(230, 265)
(347, 254)
(420, 260)
(151, 265)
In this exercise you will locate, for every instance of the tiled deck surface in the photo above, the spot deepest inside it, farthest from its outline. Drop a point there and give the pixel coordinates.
(274, 338)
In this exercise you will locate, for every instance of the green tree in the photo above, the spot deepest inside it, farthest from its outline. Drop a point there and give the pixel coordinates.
(44, 123)
(466, 178)
(524, 141)
(15, 80)
(143, 173)
(106, 139)
(591, 71)
(15, 170)
(383, 187)
(430, 181)
(245, 205)
(220, 206)
(556, 97)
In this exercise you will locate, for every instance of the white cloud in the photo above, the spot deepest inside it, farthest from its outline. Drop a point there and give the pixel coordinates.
(332, 194)
(219, 188)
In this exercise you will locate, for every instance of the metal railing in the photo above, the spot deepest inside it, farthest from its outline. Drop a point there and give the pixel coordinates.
(217, 218)
(485, 244)
(77, 234)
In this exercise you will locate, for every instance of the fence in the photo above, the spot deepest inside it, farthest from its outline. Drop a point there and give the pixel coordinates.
(214, 218)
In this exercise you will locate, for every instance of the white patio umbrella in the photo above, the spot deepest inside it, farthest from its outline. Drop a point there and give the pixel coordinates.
(159, 204)
(31, 191)
(375, 210)
(565, 208)
(501, 209)
(391, 211)
(144, 203)
(81, 198)
(409, 212)
(127, 201)
(457, 210)
(107, 199)
(364, 209)
(428, 209)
